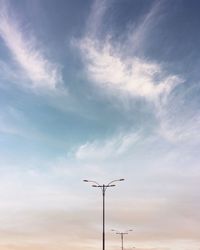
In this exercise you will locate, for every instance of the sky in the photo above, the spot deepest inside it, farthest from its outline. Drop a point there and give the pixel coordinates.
(99, 90)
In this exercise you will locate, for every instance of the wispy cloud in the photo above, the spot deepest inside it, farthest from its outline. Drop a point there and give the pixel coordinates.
(179, 118)
(119, 69)
(174, 130)
(139, 33)
(136, 76)
(105, 149)
(98, 10)
(116, 67)
(38, 69)
(9, 121)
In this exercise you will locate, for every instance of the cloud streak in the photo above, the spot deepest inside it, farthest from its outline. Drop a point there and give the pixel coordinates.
(179, 118)
(38, 69)
(113, 147)
(117, 67)
(140, 33)
(138, 77)
(97, 13)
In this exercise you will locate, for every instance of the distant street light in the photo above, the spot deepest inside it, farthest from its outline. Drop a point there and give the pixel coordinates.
(103, 189)
(122, 236)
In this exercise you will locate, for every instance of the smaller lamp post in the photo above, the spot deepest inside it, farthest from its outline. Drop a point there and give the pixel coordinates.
(122, 236)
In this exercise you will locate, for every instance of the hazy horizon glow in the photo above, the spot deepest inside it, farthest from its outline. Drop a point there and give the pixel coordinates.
(99, 90)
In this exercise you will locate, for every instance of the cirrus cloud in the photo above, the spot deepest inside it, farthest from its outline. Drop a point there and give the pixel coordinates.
(29, 58)
(112, 147)
(137, 76)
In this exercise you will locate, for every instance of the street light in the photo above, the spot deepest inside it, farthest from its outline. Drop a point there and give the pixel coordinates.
(103, 189)
(122, 235)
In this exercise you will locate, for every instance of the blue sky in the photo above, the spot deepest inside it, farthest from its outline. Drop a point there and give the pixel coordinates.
(99, 90)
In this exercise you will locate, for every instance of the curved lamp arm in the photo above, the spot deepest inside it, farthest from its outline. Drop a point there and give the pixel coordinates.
(114, 181)
(109, 184)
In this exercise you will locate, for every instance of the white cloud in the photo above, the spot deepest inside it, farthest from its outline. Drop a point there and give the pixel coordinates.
(176, 131)
(95, 18)
(10, 118)
(38, 69)
(108, 65)
(139, 77)
(110, 148)
(179, 118)
(140, 33)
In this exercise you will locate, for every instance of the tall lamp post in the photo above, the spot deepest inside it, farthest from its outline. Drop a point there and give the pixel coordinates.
(103, 189)
(122, 236)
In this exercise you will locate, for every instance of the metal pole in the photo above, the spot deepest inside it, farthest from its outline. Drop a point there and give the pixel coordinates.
(103, 190)
(122, 238)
